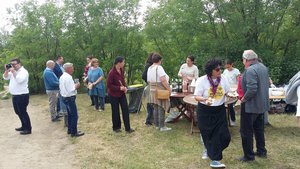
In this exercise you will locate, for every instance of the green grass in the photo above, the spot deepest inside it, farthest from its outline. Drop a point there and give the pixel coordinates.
(148, 148)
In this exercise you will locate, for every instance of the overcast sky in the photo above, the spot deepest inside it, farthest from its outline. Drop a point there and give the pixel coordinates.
(4, 4)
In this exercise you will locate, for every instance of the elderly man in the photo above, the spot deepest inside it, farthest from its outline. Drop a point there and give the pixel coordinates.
(18, 87)
(255, 85)
(52, 88)
(68, 92)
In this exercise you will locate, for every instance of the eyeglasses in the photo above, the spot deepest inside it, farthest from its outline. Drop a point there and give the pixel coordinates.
(217, 69)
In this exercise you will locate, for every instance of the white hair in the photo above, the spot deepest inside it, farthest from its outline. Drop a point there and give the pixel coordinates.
(249, 54)
(67, 65)
(49, 62)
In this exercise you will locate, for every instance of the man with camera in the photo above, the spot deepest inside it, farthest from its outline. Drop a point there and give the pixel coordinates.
(18, 87)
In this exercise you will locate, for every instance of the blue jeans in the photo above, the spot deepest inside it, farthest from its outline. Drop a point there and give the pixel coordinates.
(72, 113)
(149, 118)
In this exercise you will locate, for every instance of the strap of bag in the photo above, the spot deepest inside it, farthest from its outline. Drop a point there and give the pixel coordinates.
(156, 78)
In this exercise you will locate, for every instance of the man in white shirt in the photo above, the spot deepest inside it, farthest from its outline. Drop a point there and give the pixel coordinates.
(18, 87)
(68, 92)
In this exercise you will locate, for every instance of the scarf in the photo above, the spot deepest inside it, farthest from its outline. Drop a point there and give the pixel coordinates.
(214, 86)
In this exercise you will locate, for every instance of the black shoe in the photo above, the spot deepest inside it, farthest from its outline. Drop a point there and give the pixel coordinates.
(117, 130)
(92, 105)
(56, 119)
(244, 159)
(59, 116)
(130, 131)
(78, 134)
(262, 155)
(148, 124)
(19, 129)
(25, 132)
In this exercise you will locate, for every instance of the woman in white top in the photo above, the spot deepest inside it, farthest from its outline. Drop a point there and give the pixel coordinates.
(187, 72)
(157, 78)
(210, 93)
(231, 74)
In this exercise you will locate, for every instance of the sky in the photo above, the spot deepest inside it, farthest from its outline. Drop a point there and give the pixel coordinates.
(4, 4)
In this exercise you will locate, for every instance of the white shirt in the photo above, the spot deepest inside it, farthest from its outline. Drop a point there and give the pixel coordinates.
(298, 105)
(67, 85)
(152, 76)
(203, 89)
(232, 76)
(191, 72)
(18, 85)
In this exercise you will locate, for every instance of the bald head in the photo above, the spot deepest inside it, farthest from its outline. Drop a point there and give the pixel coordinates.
(50, 64)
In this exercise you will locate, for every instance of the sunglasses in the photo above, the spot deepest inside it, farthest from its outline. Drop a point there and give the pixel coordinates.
(217, 69)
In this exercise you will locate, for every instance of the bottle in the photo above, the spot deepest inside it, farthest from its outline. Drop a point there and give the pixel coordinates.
(180, 86)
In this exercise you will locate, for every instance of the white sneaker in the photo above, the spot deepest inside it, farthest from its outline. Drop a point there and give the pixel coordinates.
(157, 128)
(165, 129)
(204, 155)
(232, 123)
(217, 164)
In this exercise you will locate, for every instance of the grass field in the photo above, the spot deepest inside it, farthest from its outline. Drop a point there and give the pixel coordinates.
(148, 148)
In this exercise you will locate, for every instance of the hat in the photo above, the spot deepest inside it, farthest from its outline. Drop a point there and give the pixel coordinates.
(249, 55)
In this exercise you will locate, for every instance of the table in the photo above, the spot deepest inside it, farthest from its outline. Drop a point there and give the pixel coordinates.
(191, 104)
(180, 104)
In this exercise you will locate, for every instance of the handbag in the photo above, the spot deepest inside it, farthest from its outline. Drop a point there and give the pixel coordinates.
(161, 94)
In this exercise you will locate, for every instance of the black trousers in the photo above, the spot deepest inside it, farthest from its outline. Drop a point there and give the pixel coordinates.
(214, 129)
(252, 123)
(116, 121)
(20, 103)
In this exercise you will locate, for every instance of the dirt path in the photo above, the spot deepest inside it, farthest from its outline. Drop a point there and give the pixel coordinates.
(48, 147)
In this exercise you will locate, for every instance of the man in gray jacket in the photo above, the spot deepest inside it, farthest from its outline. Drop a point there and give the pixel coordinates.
(255, 85)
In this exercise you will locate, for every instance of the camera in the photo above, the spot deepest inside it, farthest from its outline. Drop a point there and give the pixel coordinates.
(8, 66)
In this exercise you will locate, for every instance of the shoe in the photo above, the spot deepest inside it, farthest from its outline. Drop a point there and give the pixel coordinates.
(148, 124)
(100, 110)
(78, 134)
(59, 116)
(232, 123)
(217, 164)
(268, 124)
(204, 155)
(130, 131)
(157, 128)
(19, 129)
(262, 155)
(117, 130)
(165, 129)
(25, 132)
(56, 119)
(244, 159)
(92, 105)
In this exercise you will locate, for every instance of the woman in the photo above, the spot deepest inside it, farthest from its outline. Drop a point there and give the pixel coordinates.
(211, 113)
(85, 74)
(96, 80)
(157, 78)
(116, 91)
(231, 74)
(187, 72)
(149, 119)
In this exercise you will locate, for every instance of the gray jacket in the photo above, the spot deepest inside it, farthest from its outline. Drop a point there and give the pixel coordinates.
(255, 85)
(291, 91)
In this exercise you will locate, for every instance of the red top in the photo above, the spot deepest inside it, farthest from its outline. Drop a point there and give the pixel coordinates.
(239, 87)
(113, 82)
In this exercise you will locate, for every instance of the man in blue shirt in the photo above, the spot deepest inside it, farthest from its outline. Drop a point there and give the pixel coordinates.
(52, 89)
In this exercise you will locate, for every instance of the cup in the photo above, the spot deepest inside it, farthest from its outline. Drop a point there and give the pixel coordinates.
(76, 80)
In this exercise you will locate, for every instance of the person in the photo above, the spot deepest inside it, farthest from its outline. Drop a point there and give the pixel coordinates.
(68, 90)
(292, 94)
(149, 119)
(210, 93)
(58, 71)
(255, 86)
(158, 78)
(52, 89)
(231, 73)
(18, 87)
(96, 80)
(117, 89)
(187, 72)
(85, 74)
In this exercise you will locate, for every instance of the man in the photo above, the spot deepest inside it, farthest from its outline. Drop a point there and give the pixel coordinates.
(58, 71)
(18, 87)
(68, 92)
(255, 85)
(52, 89)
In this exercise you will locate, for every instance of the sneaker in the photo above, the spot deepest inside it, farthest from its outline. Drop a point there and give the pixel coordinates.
(232, 123)
(217, 164)
(204, 155)
(157, 128)
(165, 129)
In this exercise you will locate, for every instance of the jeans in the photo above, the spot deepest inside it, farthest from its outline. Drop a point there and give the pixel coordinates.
(72, 113)
(149, 118)
(61, 107)
(20, 103)
(159, 116)
(231, 111)
(115, 102)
